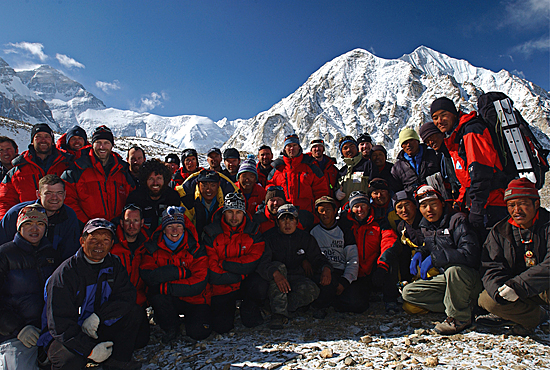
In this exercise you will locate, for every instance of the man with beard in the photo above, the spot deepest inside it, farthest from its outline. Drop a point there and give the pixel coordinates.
(214, 158)
(135, 158)
(8, 151)
(172, 161)
(265, 157)
(21, 182)
(63, 230)
(232, 161)
(154, 195)
(364, 143)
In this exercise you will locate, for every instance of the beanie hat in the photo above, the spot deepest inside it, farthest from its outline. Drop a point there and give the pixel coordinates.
(443, 103)
(32, 212)
(248, 165)
(345, 140)
(231, 153)
(291, 139)
(521, 188)
(379, 148)
(378, 184)
(208, 176)
(274, 191)
(40, 127)
(189, 153)
(287, 209)
(427, 130)
(407, 134)
(357, 197)
(326, 199)
(172, 158)
(364, 138)
(234, 201)
(76, 131)
(316, 142)
(173, 215)
(402, 195)
(103, 133)
(426, 192)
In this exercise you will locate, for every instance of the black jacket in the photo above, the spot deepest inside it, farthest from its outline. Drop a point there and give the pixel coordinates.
(450, 241)
(405, 175)
(386, 175)
(152, 209)
(24, 270)
(72, 296)
(290, 250)
(502, 259)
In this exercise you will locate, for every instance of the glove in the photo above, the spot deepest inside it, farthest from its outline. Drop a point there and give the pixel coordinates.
(477, 221)
(101, 352)
(508, 293)
(29, 335)
(90, 325)
(425, 267)
(379, 277)
(415, 261)
(340, 194)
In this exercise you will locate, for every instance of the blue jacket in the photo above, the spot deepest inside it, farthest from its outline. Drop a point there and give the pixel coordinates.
(63, 229)
(24, 270)
(72, 296)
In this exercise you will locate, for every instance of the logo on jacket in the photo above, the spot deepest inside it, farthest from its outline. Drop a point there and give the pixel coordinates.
(458, 166)
(300, 252)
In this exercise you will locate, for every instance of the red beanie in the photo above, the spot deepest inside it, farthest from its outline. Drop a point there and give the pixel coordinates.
(521, 188)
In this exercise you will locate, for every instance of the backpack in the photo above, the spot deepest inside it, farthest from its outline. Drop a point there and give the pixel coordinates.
(520, 153)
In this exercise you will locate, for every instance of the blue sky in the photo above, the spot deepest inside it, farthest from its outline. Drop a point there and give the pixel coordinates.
(237, 58)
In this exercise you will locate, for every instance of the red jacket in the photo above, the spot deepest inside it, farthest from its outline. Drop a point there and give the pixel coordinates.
(476, 163)
(330, 172)
(181, 175)
(132, 260)
(62, 146)
(233, 253)
(188, 279)
(262, 176)
(90, 193)
(267, 221)
(21, 182)
(302, 180)
(373, 241)
(255, 199)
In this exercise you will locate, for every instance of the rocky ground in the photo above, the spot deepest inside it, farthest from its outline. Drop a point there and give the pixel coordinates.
(372, 340)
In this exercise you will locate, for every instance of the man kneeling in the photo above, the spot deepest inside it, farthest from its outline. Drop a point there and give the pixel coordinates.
(91, 306)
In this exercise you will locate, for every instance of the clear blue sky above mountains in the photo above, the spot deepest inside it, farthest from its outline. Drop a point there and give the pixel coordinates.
(237, 58)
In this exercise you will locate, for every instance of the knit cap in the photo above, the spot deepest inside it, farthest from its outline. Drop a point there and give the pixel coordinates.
(316, 142)
(248, 165)
(172, 158)
(378, 184)
(103, 133)
(40, 127)
(379, 148)
(364, 138)
(402, 195)
(173, 215)
(76, 131)
(234, 201)
(189, 153)
(274, 191)
(426, 192)
(445, 104)
(32, 212)
(407, 134)
(357, 197)
(427, 130)
(291, 139)
(521, 188)
(345, 140)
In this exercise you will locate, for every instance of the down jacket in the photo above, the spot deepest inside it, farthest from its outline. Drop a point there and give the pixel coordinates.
(62, 146)
(502, 259)
(254, 199)
(407, 177)
(21, 182)
(450, 241)
(91, 192)
(24, 270)
(302, 180)
(233, 252)
(180, 273)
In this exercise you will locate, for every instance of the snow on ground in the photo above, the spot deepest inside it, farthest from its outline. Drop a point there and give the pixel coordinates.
(371, 340)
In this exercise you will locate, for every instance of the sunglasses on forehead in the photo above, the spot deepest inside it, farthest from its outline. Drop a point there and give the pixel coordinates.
(274, 187)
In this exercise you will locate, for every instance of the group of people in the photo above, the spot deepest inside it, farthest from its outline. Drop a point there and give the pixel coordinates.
(89, 241)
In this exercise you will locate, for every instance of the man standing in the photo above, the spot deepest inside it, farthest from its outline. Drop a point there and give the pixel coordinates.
(247, 182)
(63, 230)
(451, 246)
(356, 173)
(476, 163)
(172, 161)
(73, 141)
(265, 156)
(326, 164)
(21, 182)
(91, 306)
(153, 195)
(190, 165)
(515, 262)
(364, 142)
(135, 158)
(99, 182)
(214, 159)
(299, 176)
(379, 158)
(232, 161)
(8, 151)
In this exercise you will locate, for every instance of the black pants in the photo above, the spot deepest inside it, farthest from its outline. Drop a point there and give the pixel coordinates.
(223, 309)
(122, 333)
(253, 294)
(327, 293)
(196, 316)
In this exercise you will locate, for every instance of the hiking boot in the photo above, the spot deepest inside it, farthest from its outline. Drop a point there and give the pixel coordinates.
(169, 336)
(112, 364)
(491, 320)
(451, 326)
(277, 321)
(522, 331)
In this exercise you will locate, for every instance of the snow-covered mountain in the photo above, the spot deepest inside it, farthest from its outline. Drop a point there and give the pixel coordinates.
(359, 92)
